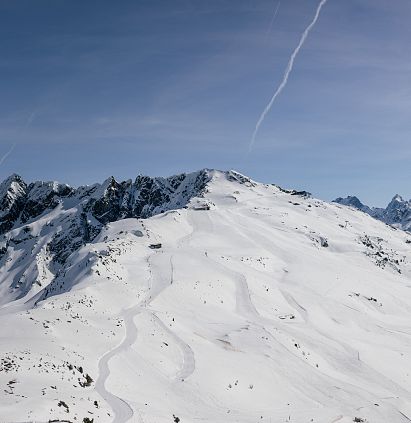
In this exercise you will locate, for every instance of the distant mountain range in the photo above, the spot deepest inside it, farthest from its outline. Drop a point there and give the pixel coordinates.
(397, 213)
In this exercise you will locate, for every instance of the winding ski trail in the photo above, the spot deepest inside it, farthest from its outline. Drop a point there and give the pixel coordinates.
(188, 364)
(157, 283)
(123, 412)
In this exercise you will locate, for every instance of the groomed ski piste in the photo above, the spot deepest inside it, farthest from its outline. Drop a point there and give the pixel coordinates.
(251, 304)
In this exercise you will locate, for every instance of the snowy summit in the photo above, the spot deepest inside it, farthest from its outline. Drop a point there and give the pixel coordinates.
(201, 297)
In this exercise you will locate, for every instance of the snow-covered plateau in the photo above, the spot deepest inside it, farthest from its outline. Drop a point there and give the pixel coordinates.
(204, 297)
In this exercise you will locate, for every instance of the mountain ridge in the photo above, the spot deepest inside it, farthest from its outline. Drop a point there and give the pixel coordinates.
(397, 213)
(247, 303)
(76, 216)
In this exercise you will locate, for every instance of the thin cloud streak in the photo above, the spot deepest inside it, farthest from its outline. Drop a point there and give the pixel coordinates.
(273, 19)
(287, 73)
(7, 154)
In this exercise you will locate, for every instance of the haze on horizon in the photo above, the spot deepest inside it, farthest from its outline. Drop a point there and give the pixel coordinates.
(93, 89)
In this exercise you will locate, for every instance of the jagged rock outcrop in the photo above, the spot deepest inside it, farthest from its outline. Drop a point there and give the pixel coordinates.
(42, 196)
(52, 220)
(12, 199)
(353, 201)
(107, 202)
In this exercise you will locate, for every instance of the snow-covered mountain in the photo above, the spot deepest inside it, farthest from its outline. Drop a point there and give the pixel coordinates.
(397, 213)
(50, 221)
(201, 297)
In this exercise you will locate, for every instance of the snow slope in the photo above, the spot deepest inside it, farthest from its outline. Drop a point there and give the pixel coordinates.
(260, 306)
(397, 213)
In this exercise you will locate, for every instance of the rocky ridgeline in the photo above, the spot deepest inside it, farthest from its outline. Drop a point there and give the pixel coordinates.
(107, 202)
(50, 221)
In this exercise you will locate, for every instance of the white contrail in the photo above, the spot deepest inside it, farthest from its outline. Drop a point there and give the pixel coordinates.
(29, 121)
(4, 157)
(31, 118)
(273, 18)
(287, 72)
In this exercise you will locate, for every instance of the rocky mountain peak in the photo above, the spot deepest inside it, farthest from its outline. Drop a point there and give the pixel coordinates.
(12, 193)
(397, 201)
(350, 201)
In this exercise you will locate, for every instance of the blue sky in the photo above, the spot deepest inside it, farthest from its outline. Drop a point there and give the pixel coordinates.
(91, 89)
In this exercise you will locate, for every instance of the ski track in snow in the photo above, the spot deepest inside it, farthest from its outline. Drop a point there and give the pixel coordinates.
(339, 355)
(123, 412)
(244, 305)
(159, 282)
(188, 363)
(246, 308)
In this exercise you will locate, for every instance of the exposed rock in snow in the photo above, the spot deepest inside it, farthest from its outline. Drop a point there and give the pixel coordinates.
(201, 297)
(12, 195)
(63, 219)
(353, 202)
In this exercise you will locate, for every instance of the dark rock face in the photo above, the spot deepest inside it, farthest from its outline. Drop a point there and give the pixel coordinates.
(92, 207)
(13, 192)
(108, 208)
(42, 196)
(78, 232)
(111, 201)
(398, 211)
(20, 202)
(146, 196)
(149, 195)
(353, 202)
(51, 221)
